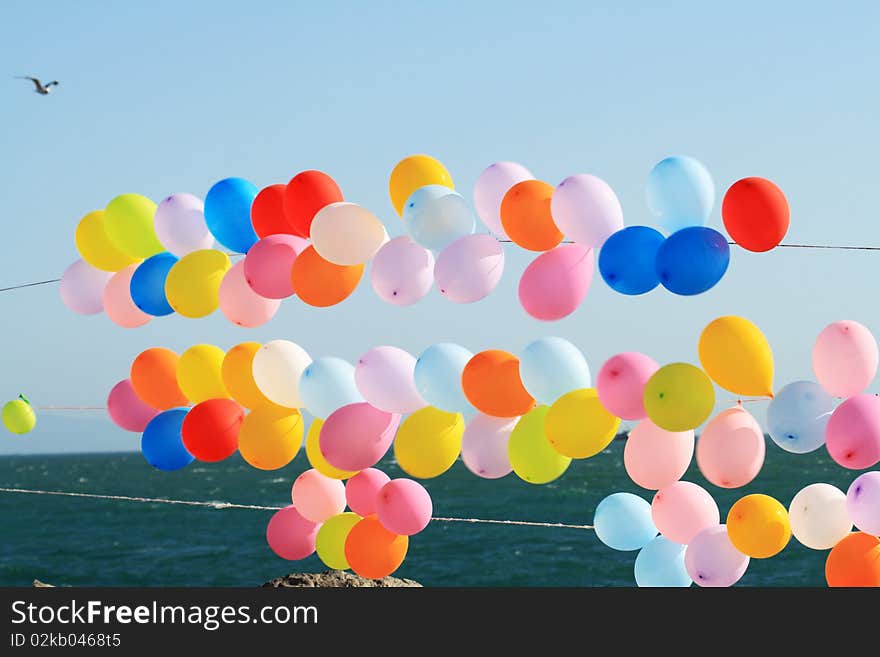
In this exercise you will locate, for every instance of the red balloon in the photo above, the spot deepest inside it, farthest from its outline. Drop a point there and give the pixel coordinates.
(306, 193)
(267, 212)
(755, 214)
(210, 429)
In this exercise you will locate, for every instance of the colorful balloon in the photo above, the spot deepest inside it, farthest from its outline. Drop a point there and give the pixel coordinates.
(320, 283)
(199, 373)
(82, 288)
(550, 367)
(404, 507)
(578, 426)
(435, 216)
(210, 429)
(655, 458)
(330, 541)
(402, 272)
(682, 510)
(153, 376)
(556, 282)
(267, 212)
(277, 368)
(357, 436)
(18, 416)
(526, 218)
(437, 376)
(491, 383)
(362, 490)
(854, 561)
(236, 371)
(240, 304)
(680, 192)
(853, 432)
(484, 445)
(161, 442)
(316, 459)
(317, 497)
(372, 551)
(428, 442)
(755, 214)
(385, 376)
(736, 355)
(621, 384)
(758, 526)
(586, 209)
(711, 560)
(679, 397)
(622, 521)
(192, 286)
(327, 384)
(347, 234)
(268, 263)
(845, 358)
(147, 287)
(270, 436)
(127, 410)
(863, 502)
(228, 213)
(490, 188)
(730, 450)
(290, 535)
(180, 225)
(818, 516)
(117, 301)
(128, 222)
(531, 455)
(692, 260)
(305, 194)
(412, 173)
(628, 260)
(661, 563)
(798, 417)
(469, 269)
(96, 248)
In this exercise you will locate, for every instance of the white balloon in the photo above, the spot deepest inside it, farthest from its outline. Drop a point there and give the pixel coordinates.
(818, 516)
(82, 288)
(347, 234)
(180, 225)
(277, 368)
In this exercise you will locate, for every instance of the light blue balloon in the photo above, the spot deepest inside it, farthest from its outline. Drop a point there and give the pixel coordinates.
(550, 367)
(438, 376)
(435, 216)
(661, 563)
(623, 521)
(798, 415)
(162, 441)
(328, 384)
(680, 192)
(228, 213)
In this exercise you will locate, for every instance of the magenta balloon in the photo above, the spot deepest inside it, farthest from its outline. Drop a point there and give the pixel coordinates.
(730, 449)
(556, 282)
(682, 510)
(127, 410)
(402, 271)
(484, 445)
(711, 560)
(240, 303)
(863, 503)
(845, 358)
(118, 304)
(586, 210)
(621, 384)
(268, 263)
(290, 535)
(385, 376)
(490, 188)
(853, 432)
(404, 507)
(362, 491)
(470, 268)
(317, 497)
(654, 457)
(356, 436)
(82, 288)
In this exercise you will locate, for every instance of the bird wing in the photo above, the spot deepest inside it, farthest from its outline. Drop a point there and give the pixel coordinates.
(53, 83)
(36, 82)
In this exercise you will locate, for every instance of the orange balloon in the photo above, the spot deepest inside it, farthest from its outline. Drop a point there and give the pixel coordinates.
(154, 378)
(321, 283)
(491, 382)
(854, 561)
(525, 215)
(372, 551)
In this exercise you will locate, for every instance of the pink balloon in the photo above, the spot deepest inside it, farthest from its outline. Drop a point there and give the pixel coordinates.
(118, 303)
(268, 263)
(470, 268)
(853, 432)
(404, 507)
(362, 491)
(356, 436)
(711, 560)
(490, 188)
(385, 376)
(654, 457)
(556, 282)
(82, 288)
(682, 510)
(484, 445)
(863, 503)
(586, 209)
(127, 410)
(621, 384)
(290, 535)
(402, 271)
(240, 303)
(317, 497)
(730, 450)
(845, 358)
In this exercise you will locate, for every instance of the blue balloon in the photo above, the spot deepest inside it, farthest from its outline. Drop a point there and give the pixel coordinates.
(680, 192)
(438, 376)
(147, 286)
(628, 260)
(550, 367)
(692, 260)
(328, 384)
(797, 416)
(228, 213)
(435, 216)
(623, 521)
(661, 563)
(161, 442)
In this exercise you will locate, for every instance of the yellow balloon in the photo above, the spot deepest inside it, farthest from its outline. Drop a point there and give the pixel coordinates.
(414, 172)
(737, 356)
(95, 247)
(330, 541)
(128, 220)
(533, 458)
(270, 436)
(18, 416)
(578, 426)
(428, 442)
(758, 526)
(198, 373)
(193, 282)
(317, 460)
(679, 397)
(238, 377)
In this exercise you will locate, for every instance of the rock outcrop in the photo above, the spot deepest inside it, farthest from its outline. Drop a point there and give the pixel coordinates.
(336, 579)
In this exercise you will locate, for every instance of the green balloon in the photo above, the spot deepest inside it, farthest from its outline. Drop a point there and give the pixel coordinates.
(330, 541)
(128, 222)
(532, 456)
(19, 417)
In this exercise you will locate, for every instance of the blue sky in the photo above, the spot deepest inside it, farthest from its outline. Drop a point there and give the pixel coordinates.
(160, 97)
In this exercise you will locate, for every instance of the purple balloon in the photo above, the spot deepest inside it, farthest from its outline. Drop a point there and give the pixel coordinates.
(484, 445)
(180, 224)
(404, 507)
(586, 210)
(385, 376)
(490, 188)
(402, 271)
(82, 288)
(711, 560)
(470, 268)
(863, 503)
(355, 437)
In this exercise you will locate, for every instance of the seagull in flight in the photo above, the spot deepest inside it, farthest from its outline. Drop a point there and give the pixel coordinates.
(42, 89)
